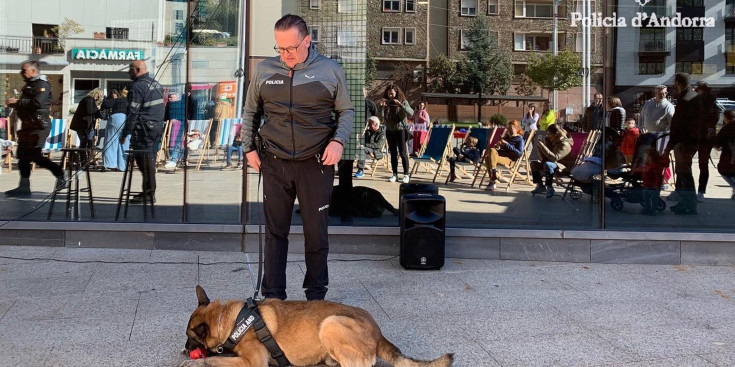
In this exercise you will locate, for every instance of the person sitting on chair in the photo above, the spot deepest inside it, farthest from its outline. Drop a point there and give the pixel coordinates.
(508, 150)
(554, 153)
(374, 141)
(467, 153)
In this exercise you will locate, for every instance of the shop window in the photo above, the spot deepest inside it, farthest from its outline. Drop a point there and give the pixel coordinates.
(82, 87)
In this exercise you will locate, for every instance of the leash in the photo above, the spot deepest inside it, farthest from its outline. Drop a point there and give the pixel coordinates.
(260, 237)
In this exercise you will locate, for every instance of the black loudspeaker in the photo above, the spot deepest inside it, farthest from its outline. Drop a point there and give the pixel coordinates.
(415, 188)
(422, 231)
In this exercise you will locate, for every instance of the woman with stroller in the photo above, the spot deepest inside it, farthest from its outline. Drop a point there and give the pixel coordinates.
(508, 150)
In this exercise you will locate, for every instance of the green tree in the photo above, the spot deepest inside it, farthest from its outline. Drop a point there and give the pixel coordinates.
(441, 75)
(403, 76)
(559, 72)
(371, 71)
(488, 68)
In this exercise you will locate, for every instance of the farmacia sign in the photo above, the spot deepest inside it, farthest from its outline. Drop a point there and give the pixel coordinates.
(106, 54)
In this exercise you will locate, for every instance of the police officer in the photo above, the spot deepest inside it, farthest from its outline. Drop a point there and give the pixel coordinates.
(145, 122)
(33, 109)
(308, 119)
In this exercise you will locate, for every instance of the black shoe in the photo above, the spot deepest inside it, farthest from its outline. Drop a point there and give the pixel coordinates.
(138, 199)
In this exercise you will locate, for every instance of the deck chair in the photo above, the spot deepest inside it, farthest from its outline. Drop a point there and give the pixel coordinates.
(163, 150)
(383, 161)
(515, 168)
(433, 156)
(481, 171)
(204, 126)
(57, 139)
(224, 136)
(586, 142)
(483, 136)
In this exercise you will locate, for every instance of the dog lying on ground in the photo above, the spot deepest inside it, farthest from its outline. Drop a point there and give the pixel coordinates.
(363, 202)
(309, 333)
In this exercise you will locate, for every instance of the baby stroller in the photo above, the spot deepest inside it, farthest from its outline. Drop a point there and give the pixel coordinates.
(631, 189)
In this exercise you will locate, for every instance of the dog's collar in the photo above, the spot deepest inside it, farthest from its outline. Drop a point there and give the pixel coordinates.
(247, 318)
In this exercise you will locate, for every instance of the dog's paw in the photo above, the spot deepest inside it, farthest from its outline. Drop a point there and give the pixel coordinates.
(193, 363)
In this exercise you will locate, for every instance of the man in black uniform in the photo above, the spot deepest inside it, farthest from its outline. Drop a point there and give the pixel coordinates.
(33, 108)
(145, 122)
(308, 120)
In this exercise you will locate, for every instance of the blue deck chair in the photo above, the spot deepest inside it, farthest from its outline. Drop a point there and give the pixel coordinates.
(437, 149)
(224, 136)
(483, 136)
(57, 136)
(203, 150)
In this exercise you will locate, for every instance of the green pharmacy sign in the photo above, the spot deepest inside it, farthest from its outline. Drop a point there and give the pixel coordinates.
(105, 54)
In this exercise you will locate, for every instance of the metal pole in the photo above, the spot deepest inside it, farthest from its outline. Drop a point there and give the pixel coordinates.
(585, 102)
(241, 58)
(556, 48)
(588, 52)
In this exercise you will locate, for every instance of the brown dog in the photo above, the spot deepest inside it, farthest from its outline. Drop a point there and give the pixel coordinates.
(308, 332)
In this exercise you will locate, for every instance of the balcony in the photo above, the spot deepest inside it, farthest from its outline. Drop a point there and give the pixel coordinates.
(659, 10)
(654, 47)
(30, 45)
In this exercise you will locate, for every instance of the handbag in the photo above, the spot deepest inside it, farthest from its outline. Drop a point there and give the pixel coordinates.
(407, 134)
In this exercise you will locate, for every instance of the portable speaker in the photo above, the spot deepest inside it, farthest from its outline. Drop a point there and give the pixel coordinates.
(415, 188)
(423, 218)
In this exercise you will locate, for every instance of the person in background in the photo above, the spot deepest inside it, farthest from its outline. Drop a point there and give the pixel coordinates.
(548, 117)
(396, 110)
(114, 156)
(222, 110)
(656, 117)
(175, 111)
(468, 152)
(144, 125)
(85, 119)
(683, 139)
(236, 146)
(530, 119)
(554, 153)
(615, 114)
(419, 126)
(725, 140)
(508, 150)
(707, 133)
(594, 114)
(374, 141)
(652, 172)
(629, 139)
(33, 109)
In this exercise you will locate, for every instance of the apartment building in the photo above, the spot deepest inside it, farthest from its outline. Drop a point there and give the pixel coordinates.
(650, 55)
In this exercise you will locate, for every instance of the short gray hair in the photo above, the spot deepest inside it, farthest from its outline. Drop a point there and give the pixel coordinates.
(660, 87)
(374, 119)
(33, 64)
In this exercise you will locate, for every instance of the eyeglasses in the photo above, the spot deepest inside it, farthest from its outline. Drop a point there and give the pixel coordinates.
(288, 50)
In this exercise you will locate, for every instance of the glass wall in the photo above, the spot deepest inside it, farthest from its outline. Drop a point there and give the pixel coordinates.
(203, 57)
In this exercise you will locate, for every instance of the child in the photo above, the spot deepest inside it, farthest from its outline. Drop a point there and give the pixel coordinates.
(629, 140)
(467, 153)
(652, 172)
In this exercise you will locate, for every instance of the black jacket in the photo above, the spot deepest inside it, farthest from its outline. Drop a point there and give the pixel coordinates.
(375, 139)
(117, 105)
(145, 104)
(85, 115)
(685, 124)
(33, 108)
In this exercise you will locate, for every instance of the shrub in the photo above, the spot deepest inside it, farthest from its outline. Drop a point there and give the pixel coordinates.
(498, 120)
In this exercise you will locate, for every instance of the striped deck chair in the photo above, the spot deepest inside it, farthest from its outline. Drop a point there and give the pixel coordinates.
(438, 148)
(203, 150)
(57, 139)
(223, 138)
(8, 159)
(163, 150)
(483, 136)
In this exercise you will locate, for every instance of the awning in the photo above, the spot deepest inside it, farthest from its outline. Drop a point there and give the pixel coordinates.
(201, 86)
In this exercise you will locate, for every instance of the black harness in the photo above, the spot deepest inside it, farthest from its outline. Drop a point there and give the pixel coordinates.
(247, 318)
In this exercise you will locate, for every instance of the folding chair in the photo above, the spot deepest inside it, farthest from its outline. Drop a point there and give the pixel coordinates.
(481, 171)
(584, 146)
(514, 169)
(5, 124)
(224, 137)
(438, 146)
(204, 126)
(57, 139)
(163, 150)
(384, 160)
(483, 138)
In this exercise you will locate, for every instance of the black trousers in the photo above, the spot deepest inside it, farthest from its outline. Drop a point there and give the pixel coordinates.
(397, 145)
(283, 182)
(146, 162)
(28, 155)
(146, 138)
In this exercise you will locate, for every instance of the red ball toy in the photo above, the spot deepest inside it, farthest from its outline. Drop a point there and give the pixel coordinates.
(198, 353)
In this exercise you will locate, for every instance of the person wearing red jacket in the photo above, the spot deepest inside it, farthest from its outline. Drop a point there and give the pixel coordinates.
(629, 140)
(652, 172)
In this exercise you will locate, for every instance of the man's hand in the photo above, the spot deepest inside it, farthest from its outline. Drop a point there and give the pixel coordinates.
(711, 133)
(253, 160)
(332, 154)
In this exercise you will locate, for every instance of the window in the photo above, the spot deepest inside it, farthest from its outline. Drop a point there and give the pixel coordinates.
(463, 41)
(578, 47)
(391, 36)
(689, 34)
(346, 37)
(692, 3)
(179, 28)
(315, 4)
(82, 87)
(689, 67)
(592, 4)
(492, 7)
(533, 42)
(117, 33)
(179, 14)
(391, 5)
(524, 9)
(468, 7)
(346, 6)
(653, 39)
(409, 36)
(410, 6)
(651, 66)
(314, 32)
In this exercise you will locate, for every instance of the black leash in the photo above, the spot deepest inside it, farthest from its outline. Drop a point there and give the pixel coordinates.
(260, 236)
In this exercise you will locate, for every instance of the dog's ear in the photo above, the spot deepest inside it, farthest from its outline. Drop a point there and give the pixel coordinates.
(202, 296)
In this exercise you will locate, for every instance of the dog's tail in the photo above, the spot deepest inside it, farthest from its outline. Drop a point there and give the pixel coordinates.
(391, 354)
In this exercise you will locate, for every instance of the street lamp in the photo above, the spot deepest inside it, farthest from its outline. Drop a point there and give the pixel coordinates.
(556, 47)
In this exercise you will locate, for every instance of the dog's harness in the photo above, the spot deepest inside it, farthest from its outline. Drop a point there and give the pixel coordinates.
(247, 318)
